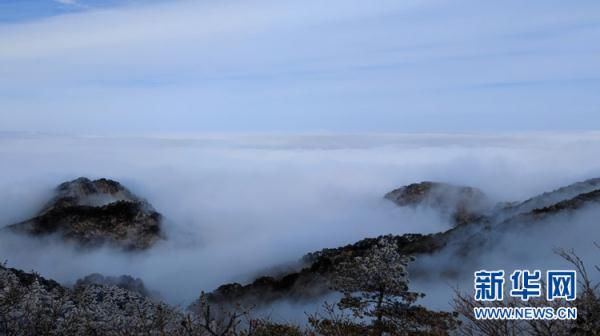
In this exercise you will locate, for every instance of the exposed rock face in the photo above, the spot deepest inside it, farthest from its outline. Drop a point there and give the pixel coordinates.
(94, 213)
(462, 204)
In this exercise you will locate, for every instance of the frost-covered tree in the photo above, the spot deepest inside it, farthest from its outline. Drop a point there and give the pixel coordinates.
(376, 302)
(588, 300)
(375, 289)
(31, 305)
(207, 319)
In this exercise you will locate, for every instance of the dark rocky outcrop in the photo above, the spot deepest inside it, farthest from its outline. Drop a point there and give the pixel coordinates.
(94, 213)
(303, 285)
(461, 204)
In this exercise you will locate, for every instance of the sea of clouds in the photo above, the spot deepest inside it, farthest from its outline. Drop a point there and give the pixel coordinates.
(236, 206)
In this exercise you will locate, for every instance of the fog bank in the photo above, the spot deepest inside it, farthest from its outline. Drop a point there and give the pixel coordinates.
(236, 205)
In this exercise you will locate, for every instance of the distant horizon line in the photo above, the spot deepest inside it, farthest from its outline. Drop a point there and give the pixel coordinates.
(296, 133)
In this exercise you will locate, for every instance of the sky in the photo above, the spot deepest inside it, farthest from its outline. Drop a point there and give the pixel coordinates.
(125, 67)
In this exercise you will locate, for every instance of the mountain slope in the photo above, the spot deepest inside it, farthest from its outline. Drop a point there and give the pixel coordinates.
(466, 238)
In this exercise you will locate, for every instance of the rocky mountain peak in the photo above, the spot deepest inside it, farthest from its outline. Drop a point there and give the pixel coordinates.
(83, 191)
(462, 204)
(94, 213)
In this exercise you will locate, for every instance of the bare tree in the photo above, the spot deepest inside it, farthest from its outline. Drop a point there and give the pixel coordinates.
(588, 300)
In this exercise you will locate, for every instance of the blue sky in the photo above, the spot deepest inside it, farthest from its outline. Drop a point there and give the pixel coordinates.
(299, 66)
(19, 11)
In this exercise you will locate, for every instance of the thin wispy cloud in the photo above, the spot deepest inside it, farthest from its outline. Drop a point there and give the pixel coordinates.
(188, 66)
(67, 2)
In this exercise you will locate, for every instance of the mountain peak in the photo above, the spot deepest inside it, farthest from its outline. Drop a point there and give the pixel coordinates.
(97, 212)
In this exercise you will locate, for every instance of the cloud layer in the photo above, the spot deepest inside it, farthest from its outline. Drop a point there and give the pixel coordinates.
(238, 205)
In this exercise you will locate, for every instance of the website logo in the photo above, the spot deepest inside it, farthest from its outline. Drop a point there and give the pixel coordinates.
(525, 285)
